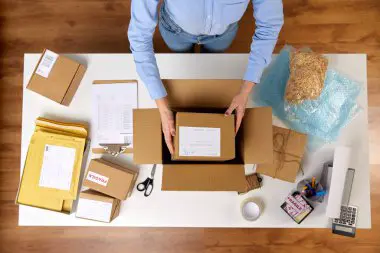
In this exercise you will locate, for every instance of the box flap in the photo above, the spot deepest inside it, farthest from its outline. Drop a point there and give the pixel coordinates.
(147, 136)
(74, 85)
(201, 93)
(203, 177)
(257, 136)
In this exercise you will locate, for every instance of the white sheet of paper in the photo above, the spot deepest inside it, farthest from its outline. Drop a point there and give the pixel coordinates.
(199, 141)
(94, 210)
(113, 106)
(46, 64)
(57, 167)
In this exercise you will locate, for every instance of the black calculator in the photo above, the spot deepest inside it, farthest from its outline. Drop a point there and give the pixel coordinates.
(346, 224)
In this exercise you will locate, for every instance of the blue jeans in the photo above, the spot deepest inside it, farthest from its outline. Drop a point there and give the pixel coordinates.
(180, 41)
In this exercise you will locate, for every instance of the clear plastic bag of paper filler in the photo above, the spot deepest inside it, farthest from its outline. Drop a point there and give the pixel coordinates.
(322, 118)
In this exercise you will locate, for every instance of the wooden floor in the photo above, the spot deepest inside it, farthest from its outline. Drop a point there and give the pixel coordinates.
(96, 26)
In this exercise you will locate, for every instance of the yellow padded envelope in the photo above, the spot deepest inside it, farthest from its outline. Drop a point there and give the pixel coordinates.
(60, 134)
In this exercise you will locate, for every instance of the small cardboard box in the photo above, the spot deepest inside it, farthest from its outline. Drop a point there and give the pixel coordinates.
(93, 205)
(254, 144)
(288, 149)
(56, 77)
(110, 179)
(204, 137)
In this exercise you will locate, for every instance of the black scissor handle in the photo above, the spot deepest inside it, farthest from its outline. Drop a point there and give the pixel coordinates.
(142, 186)
(146, 186)
(149, 188)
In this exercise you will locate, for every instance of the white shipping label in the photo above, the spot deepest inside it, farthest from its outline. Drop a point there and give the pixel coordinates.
(94, 210)
(46, 64)
(97, 178)
(199, 141)
(57, 167)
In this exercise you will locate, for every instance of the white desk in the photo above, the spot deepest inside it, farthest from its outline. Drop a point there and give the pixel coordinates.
(197, 209)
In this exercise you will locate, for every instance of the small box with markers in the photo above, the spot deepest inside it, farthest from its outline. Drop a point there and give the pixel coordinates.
(297, 207)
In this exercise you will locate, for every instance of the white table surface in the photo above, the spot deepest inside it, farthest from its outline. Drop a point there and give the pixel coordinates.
(198, 209)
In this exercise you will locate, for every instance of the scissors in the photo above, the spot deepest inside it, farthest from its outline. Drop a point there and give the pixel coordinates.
(147, 185)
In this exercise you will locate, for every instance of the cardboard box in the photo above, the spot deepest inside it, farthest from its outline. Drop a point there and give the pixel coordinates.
(110, 179)
(288, 149)
(56, 77)
(204, 137)
(93, 205)
(254, 144)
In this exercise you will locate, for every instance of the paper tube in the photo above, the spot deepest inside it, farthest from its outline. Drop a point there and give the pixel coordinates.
(340, 166)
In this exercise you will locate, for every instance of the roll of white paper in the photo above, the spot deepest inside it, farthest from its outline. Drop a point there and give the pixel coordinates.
(340, 166)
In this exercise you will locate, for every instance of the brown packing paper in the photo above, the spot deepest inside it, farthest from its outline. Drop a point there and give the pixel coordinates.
(288, 149)
(62, 82)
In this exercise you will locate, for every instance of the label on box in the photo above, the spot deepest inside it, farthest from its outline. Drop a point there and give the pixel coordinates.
(97, 178)
(46, 64)
(199, 141)
(94, 210)
(57, 167)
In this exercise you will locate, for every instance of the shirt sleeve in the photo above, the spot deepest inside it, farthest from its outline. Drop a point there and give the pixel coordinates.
(144, 17)
(269, 19)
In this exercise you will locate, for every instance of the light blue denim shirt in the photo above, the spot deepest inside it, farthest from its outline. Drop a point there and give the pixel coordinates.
(202, 17)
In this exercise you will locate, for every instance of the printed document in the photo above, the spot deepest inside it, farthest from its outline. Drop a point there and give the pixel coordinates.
(113, 106)
(57, 167)
(199, 141)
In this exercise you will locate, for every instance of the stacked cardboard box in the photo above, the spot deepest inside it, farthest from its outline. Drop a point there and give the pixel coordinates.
(109, 184)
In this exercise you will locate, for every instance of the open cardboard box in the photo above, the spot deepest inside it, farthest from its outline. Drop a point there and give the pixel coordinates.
(254, 143)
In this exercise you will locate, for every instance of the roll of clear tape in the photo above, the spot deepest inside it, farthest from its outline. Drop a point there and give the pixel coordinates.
(251, 208)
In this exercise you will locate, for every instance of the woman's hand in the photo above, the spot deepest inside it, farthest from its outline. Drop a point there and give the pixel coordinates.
(239, 103)
(167, 121)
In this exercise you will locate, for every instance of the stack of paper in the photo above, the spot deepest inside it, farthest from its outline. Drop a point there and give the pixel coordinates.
(53, 164)
(112, 109)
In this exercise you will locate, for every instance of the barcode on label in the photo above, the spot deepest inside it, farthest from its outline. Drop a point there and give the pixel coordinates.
(47, 61)
(46, 64)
